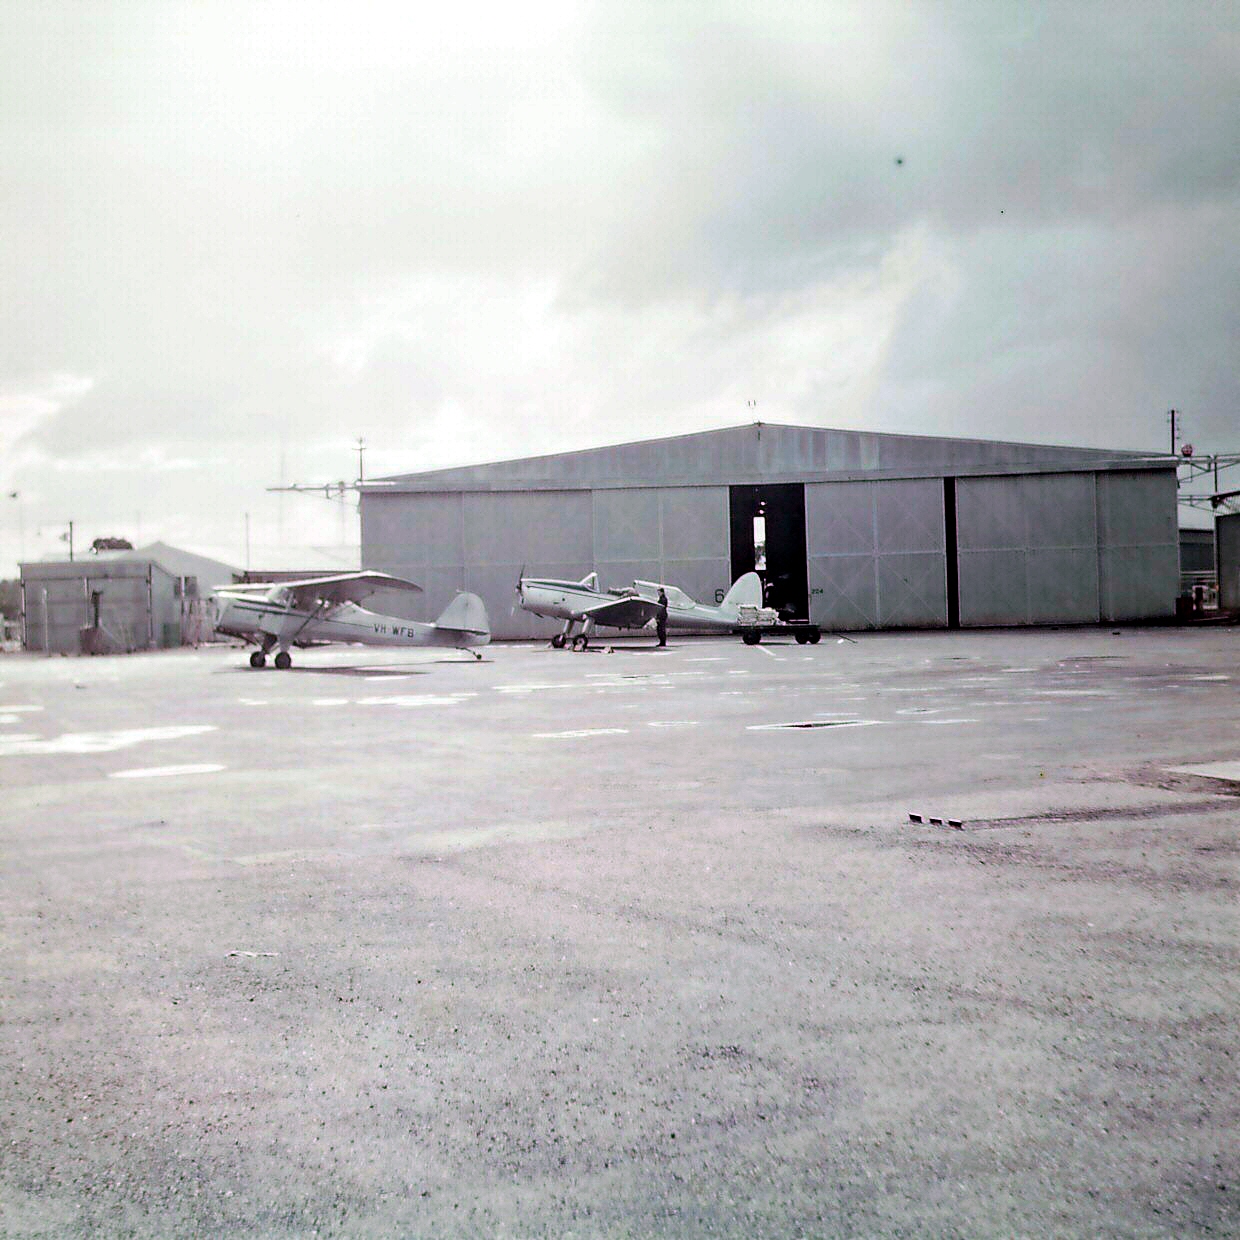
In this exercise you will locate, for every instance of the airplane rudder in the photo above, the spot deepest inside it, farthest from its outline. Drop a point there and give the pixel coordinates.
(467, 613)
(746, 591)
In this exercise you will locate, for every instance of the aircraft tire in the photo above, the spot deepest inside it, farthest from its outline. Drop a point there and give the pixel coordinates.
(580, 642)
(284, 660)
(257, 658)
(751, 639)
(558, 641)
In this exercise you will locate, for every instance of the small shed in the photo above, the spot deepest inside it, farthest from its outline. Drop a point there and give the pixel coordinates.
(151, 598)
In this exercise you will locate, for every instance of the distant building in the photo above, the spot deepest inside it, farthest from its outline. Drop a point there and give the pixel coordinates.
(1197, 565)
(151, 597)
(1227, 531)
(859, 530)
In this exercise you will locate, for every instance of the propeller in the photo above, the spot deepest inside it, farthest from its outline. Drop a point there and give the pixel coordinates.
(512, 611)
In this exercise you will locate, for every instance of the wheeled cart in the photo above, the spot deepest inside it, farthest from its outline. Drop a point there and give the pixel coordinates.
(802, 631)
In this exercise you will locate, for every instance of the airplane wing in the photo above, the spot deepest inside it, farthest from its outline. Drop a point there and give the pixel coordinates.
(346, 588)
(311, 592)
(622, 613)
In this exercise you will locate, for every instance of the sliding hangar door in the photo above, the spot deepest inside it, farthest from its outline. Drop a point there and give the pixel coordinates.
(1071, 548)
(482, 541)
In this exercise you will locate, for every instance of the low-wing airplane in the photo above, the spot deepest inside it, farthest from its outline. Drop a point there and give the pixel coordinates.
(281, 614)
(633, 607)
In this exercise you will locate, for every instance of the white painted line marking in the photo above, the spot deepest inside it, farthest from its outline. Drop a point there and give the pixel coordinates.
(556, 736)
(330, 702)
(254, 701)
(1072, 693)
(1213, 770)
(389, 679)
(538, 688)
(708, 658)
(159, 772)
(770, 654)
(416, 699)
(673, 723)
(17, 710)
(99, 742)
(931, 722)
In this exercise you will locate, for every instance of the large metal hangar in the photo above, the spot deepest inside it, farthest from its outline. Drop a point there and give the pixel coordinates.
(857, 530)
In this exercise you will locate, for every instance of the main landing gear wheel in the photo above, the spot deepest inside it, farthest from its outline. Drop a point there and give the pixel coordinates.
(580, 642)
(558, 641)
(751, 639)
(284, 660)
(257, 658)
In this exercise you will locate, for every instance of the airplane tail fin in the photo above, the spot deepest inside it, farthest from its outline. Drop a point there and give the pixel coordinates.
(746, 591)
(466, 615)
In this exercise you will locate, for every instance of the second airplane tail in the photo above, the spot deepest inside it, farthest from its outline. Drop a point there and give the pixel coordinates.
(746, 591)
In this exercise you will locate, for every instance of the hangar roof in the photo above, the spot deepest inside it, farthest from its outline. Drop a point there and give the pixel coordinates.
(765, 452)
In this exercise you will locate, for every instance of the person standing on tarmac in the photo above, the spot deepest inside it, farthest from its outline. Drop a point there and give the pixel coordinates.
(660, 620)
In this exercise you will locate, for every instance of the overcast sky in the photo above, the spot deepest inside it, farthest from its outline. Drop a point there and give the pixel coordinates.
(237, 237)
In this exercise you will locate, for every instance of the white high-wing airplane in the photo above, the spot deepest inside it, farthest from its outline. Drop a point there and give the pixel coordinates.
(633, 607)
(281, 614)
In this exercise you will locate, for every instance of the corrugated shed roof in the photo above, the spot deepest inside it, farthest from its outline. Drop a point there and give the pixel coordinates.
(760, 452)
(172, 560)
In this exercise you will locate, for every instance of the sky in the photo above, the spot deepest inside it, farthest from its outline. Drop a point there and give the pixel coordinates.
(239, 237)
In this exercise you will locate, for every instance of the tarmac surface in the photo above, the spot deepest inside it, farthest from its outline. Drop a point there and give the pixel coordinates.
(597, 945)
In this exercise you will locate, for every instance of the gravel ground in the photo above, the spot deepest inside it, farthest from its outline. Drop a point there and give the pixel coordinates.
(585, 945)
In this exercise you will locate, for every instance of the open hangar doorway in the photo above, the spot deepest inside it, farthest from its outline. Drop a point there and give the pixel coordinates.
(768, 537)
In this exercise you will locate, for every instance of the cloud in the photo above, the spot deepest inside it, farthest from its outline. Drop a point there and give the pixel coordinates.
(250, 233)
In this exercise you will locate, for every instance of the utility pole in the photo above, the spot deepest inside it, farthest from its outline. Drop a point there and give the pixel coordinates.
(1171, 417)
(70, 542)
